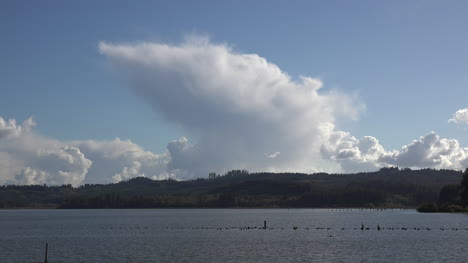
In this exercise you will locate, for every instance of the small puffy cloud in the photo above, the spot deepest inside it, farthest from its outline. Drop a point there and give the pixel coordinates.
(31, 176)
(10, 129)
(273, 155)
(460, 117)
(129, 172)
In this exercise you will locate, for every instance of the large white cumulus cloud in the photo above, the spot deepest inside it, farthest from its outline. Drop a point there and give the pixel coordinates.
(117, 160)
(352, 154)
(61, 165)
(242, 108)
(429, 151)
(26, 158)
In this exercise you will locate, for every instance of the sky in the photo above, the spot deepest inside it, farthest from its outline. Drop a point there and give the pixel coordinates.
(103, 91)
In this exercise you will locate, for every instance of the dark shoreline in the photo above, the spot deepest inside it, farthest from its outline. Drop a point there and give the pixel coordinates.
(384, 189)
(215, 208)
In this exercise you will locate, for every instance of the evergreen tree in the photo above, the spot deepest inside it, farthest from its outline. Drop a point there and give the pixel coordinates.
(464, 189)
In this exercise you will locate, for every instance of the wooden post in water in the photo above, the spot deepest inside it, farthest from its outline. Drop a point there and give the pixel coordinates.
(46, 247)
(264, 224)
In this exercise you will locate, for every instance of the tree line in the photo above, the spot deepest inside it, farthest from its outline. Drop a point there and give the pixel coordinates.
(452, 198)
(388, 187)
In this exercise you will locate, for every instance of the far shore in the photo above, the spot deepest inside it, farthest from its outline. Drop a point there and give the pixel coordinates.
(161, 208)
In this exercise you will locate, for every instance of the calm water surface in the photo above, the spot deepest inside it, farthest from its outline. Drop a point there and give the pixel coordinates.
(194, 235)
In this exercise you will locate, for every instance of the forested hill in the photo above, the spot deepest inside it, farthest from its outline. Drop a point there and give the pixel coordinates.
(389, 187)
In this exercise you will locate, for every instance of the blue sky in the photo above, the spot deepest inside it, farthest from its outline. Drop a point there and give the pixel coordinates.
(406, 61)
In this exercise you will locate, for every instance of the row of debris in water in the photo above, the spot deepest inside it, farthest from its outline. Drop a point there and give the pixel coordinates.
(362, 228)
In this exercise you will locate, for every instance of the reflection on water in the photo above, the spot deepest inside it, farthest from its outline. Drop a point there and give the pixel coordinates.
(232, 235)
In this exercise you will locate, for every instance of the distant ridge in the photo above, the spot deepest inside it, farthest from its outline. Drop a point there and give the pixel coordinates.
(388, 187)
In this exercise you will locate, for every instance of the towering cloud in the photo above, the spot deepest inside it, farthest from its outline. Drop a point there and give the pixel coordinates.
(244, 109)
(460, 116)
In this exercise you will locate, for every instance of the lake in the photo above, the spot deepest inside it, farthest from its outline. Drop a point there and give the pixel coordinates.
(232, 235)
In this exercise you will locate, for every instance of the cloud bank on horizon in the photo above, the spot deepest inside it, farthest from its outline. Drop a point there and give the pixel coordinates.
(246, 112)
